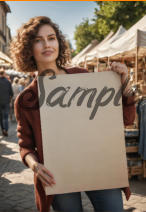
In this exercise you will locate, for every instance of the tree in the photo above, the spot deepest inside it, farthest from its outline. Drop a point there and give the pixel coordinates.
(84, 34)
(72, 51)
(109, 15)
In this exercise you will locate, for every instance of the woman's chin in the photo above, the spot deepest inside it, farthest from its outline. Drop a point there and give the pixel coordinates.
(48, 61)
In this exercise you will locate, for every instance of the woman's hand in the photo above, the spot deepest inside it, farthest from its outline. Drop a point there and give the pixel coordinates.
(123, 71)
(43, 174)
(120, 69)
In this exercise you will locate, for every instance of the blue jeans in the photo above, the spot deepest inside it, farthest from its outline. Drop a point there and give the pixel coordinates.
(109, 200)
(4, 115)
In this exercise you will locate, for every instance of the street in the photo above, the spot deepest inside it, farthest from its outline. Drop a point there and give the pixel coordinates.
(16, 182)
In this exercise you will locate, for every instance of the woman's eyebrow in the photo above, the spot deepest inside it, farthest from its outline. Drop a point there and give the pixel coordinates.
(38, 36)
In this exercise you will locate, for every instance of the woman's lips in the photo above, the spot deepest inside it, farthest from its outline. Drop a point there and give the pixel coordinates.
(47, 53)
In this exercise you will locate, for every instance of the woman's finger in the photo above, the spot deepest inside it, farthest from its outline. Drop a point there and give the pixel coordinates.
(119, 68)
(115, 66)
(45, 177)
(45, 183)
(42, 172)
(48, 173)
(108, 68)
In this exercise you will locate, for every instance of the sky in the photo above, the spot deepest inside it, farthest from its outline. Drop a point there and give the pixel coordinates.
(67, 14)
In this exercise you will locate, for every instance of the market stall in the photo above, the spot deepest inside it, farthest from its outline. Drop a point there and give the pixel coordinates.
(90, 58)
(5, 61)
(88, 48)
(131, 49)
(102, 49)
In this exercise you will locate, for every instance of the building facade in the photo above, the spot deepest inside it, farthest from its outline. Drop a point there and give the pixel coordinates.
(5, 34)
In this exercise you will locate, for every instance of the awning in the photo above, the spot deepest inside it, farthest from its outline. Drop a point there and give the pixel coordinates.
(4, 59)
(132, 38)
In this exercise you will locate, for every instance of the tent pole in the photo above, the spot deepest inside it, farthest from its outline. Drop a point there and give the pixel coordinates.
(136, 64)
(123, 60)
(85, 63)
(108, 60)
(136, 57)
(97, 64)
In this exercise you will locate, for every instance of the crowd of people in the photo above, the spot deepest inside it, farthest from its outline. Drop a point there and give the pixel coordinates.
(10, 87)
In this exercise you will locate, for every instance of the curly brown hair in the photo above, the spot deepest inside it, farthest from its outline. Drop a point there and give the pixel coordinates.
(21, 45)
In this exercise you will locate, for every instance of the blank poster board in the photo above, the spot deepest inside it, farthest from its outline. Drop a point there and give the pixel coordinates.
(83, 145)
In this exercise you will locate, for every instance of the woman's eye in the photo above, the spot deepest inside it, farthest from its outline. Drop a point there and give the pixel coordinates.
(37, 40)
(52, 38)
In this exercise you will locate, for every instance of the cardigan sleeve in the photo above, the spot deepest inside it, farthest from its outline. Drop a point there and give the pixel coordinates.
(24, 132)
(129, 110)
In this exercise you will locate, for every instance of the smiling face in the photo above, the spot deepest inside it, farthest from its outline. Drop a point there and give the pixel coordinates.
(45, 46)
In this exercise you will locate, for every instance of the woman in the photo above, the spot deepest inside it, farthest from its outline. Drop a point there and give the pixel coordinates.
(38, 46)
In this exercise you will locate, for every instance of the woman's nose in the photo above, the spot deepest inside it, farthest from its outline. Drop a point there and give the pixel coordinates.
(46, 43)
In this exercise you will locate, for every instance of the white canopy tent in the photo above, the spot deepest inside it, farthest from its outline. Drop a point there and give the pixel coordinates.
(81, 57)
(103, 50)
(92, 54)
(131, 44)
(122, 43)
(103, 46)
(132, 38)
(84, 51)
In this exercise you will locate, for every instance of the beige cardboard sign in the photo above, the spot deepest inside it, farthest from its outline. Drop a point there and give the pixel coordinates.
(82, 131)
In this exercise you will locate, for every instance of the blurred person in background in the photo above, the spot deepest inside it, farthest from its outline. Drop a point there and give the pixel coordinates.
(6, 94)
(16, 91)
(7, 77)
(15, 87)
(28, 80)
(22, 84)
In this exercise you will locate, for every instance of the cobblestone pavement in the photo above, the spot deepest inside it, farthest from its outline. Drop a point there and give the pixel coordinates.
(16, 182)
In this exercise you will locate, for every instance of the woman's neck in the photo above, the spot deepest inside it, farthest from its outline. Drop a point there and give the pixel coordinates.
(44, 67)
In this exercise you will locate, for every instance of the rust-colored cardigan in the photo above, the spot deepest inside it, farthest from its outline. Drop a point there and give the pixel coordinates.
(30, 137)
